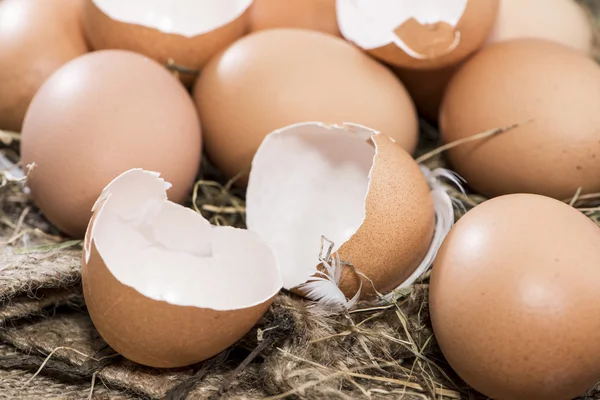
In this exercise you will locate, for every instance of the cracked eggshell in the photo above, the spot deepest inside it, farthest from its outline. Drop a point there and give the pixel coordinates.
(165, 288)
(278, 77)
(188, 32)
(355, 187)
(316, 15)
(424, 34)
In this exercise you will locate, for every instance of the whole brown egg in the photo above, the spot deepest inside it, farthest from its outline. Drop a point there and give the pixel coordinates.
(98, 116)
(562, 21)
(279, 77)
(36, 38)
(513, 299)
(553, 92)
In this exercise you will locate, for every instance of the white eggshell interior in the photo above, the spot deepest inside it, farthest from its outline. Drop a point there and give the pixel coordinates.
(307, 181)
(183, 17)
(170, 253)
(371, 24)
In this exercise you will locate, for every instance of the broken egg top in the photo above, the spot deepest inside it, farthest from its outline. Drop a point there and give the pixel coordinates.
(184, 17)
(330, 195)
(168, 252)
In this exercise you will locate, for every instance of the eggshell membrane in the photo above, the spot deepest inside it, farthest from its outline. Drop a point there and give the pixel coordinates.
(511, 294)
(277, 77)
(36, 38)
(139, 326)
(433, 39)
(190, 52)
(101, 114)
(561, 21)
(398, 227)
(316, 15)
(384, 227)
(534, 83)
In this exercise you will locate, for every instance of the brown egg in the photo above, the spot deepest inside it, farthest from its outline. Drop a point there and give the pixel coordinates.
(278, 77)
(425, 34)
(399, 201)
(562, 21)
(36, 38)
(312, 185)
(187, 34)
(97, 116)
(513, 293)
(318, 15)
(165, 288)
(553, 91)
(427, 87)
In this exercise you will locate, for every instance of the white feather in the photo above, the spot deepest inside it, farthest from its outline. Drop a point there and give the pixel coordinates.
(444, 220)
(324, 286)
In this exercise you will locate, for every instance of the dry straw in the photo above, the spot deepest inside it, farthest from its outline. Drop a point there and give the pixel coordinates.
(299, 350)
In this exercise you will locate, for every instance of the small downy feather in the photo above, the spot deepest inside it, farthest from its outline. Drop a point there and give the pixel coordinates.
(323, 287)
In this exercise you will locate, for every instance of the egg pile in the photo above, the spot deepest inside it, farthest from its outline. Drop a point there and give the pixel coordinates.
(313, 107)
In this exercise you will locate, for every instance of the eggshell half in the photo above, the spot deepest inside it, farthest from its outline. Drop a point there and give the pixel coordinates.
(318, 15)
(420, 34)
(311, 181)
(36, 38)
(278, 77)
(553, 91)
(561, 21)
(512, 294)
(163, 287)
(186, 32)
(97, 116)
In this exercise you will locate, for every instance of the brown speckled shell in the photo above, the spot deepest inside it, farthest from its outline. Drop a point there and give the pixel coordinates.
(554, 92)
(474, 27)
(514, 299)
(156, 333)
(189, 52)
(398, 226)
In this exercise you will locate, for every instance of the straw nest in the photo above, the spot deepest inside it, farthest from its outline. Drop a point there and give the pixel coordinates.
(50, 349)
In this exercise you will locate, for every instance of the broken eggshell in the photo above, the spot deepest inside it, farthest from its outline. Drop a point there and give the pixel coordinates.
(422, 34)
(347, 211)
(163, 286)
(186, 33)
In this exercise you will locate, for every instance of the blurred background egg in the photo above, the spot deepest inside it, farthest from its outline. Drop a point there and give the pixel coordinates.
(36, 38)
(562, 21)
(97, 116)
(553, 91)
(430, 35)
(513, 293)
(278, 77)
(318, 15)
(427, 87)
(186, 33)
